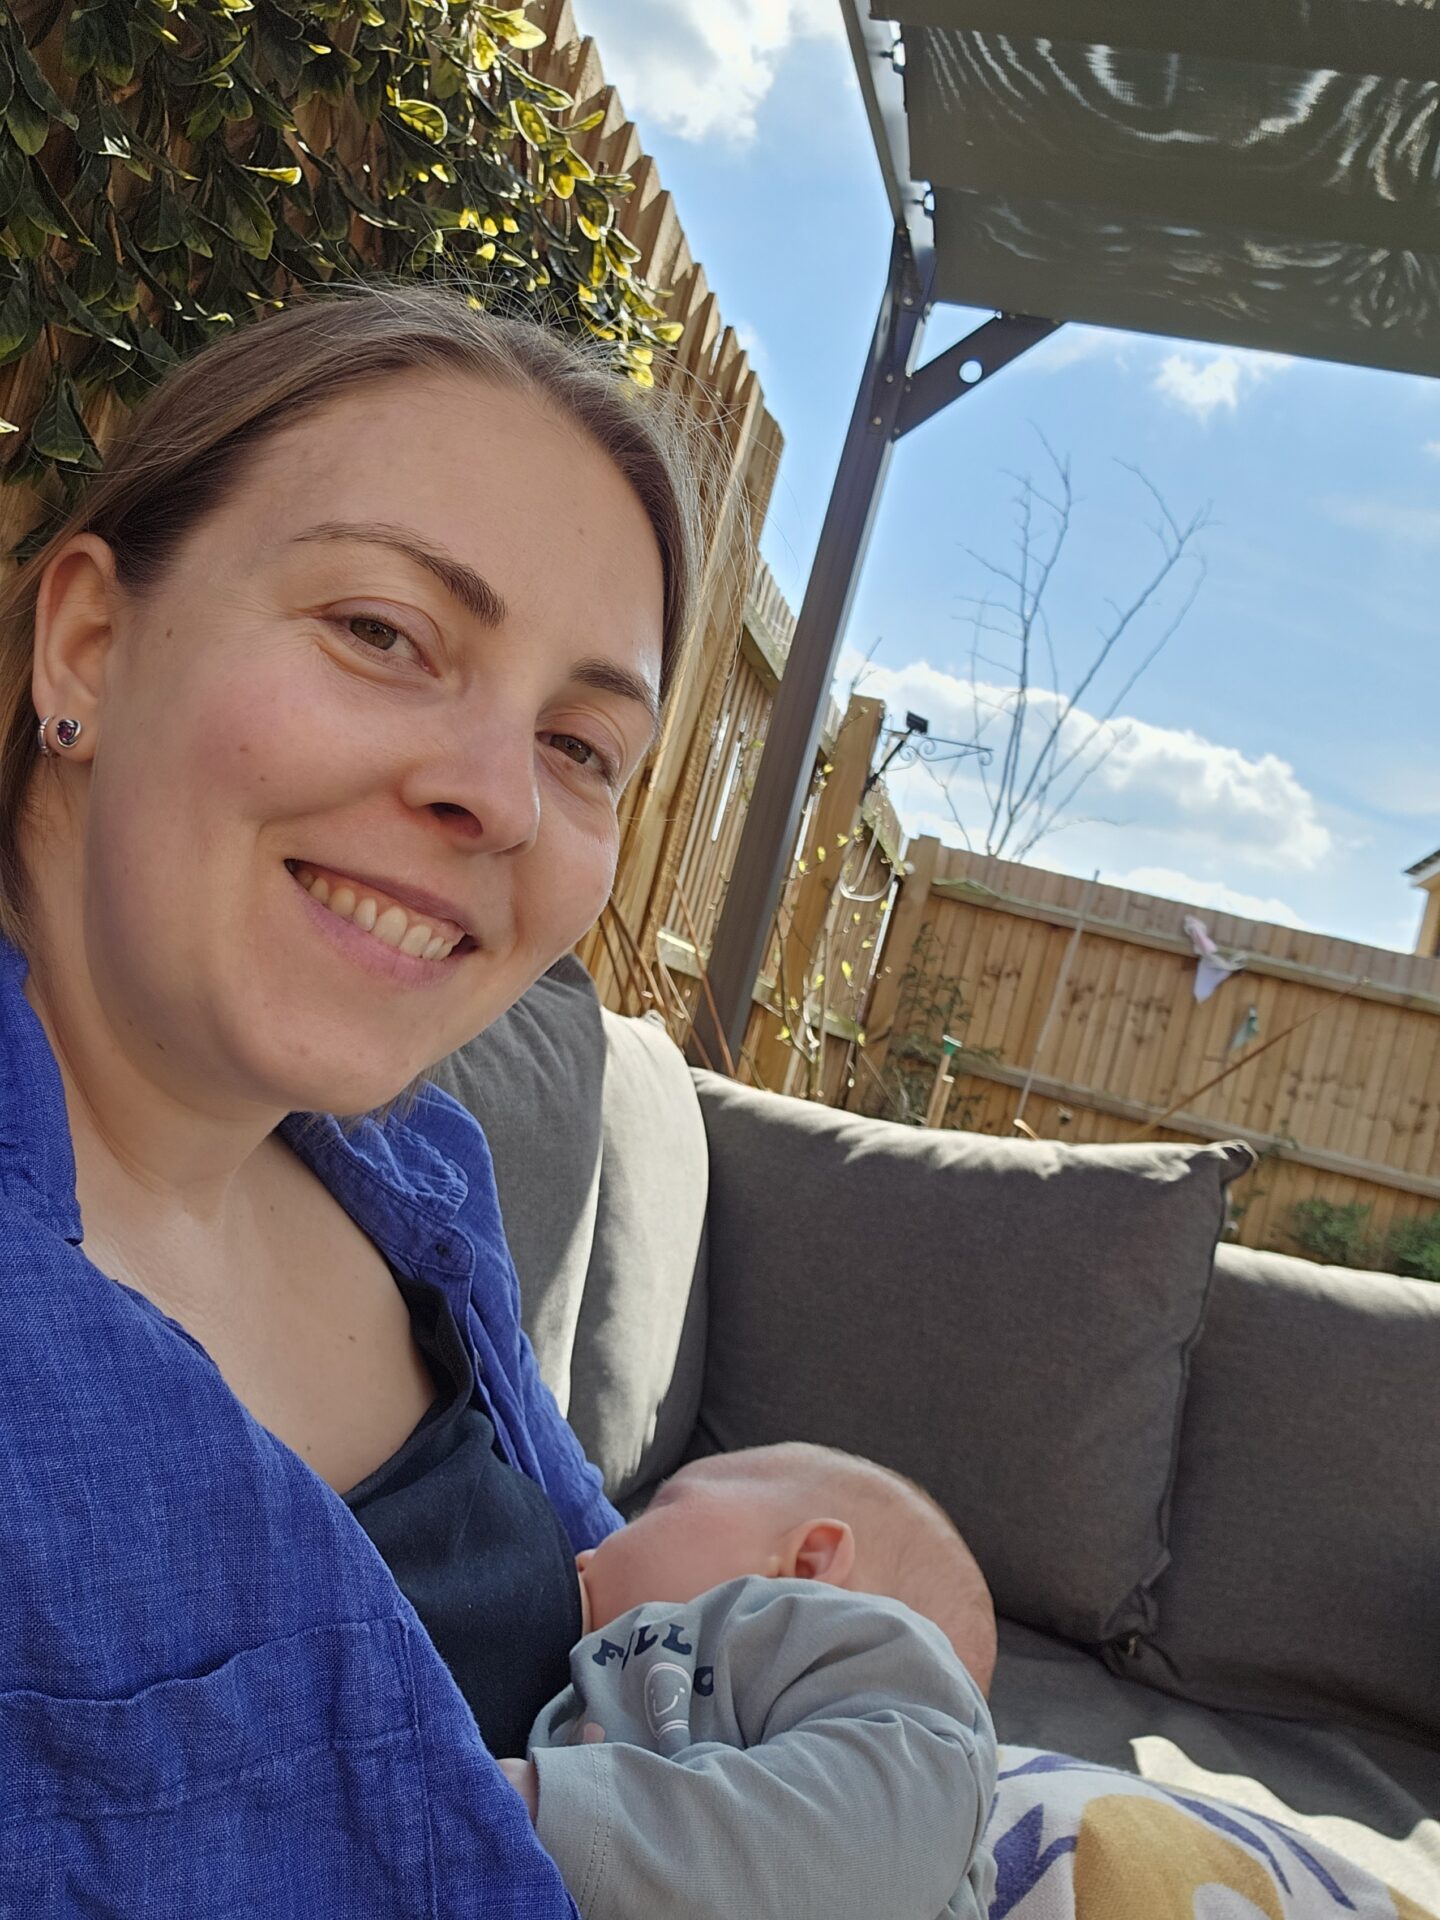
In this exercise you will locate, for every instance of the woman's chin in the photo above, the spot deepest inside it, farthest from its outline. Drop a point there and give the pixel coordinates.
(333, 1084)
(352, 1103)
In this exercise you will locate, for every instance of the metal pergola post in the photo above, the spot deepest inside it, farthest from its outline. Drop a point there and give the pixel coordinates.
(788, 758)
(893, 399)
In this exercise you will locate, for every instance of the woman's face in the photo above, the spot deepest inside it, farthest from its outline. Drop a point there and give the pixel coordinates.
(416, 653)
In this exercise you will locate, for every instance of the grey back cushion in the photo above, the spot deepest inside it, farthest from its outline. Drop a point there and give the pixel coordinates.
(1305, 1532)
(602, 1168)
(535, 1081)
(1008, 1323)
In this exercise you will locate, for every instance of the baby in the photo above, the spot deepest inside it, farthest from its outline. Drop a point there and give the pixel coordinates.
(778, 1705)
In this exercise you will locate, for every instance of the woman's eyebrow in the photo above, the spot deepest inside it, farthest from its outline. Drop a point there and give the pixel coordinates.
(462, 583)
(479, 598)
(607, 676)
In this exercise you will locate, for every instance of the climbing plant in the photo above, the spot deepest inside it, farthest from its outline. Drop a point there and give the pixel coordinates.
(927, 1008)
(173, 168)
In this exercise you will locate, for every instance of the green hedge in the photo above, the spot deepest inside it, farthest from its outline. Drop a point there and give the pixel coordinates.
(173, 168)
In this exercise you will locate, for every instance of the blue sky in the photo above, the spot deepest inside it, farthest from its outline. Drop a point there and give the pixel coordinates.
(1279, 756)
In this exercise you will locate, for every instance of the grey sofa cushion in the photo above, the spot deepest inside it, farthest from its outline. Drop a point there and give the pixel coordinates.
(1305, 1530)
(640, 1342)
(602, 1167)
(534, 1079)
(1372, 1798)
(1008, 1323)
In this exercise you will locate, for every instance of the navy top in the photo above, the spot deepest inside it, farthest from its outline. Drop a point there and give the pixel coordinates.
(214, 1698)
(474, 1546)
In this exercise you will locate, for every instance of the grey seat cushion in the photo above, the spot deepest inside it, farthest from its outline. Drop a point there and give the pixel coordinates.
(1008, 1323)
(1375, 1799)
(1305, 1528)
(602, 1167)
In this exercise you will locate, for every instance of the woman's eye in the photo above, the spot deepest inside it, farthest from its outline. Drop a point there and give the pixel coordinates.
(372, 631)
(583, 754)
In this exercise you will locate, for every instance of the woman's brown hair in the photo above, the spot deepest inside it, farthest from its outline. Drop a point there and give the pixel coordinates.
(187, 446)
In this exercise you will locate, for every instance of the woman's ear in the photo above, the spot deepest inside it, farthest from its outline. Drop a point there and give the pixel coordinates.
(820, 1550)
(74, 625)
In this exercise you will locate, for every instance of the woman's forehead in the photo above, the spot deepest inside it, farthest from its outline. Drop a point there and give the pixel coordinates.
(488, 474)
(447, 441)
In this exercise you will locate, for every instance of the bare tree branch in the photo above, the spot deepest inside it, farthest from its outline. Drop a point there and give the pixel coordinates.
(1039, 776)
(951, 808)
(1047, 769)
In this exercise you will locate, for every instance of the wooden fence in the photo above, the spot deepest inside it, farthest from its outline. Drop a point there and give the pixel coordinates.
(660, 805)
(804, 1029)
(1345, 1107)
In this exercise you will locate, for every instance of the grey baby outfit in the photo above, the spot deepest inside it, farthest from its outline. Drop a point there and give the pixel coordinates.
(775, 1750)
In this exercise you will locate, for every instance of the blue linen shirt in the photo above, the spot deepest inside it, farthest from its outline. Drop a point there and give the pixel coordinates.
(215, 1702)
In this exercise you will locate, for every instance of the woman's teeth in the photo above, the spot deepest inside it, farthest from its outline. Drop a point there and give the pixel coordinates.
(395, 925)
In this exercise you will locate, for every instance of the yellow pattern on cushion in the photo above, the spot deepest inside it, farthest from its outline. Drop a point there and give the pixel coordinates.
(1405, 1907)
(1138, 1859)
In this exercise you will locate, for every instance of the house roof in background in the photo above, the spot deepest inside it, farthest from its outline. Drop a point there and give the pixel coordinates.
(1259, 176)
(1426, 869)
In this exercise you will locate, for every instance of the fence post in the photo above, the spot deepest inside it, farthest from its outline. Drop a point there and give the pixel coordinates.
(837, 813)
(907, 918)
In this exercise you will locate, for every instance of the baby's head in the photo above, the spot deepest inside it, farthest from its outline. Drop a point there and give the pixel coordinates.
(796, 1512)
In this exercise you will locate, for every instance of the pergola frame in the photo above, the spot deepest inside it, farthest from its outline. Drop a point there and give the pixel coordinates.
(1259, 177)
(895, 396)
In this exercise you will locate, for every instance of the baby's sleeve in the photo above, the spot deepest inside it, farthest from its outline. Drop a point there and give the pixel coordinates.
(837, 1763)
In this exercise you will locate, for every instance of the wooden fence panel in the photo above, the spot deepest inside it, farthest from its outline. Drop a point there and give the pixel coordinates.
(1345, 1108)
(803, 1036)
(664, 842)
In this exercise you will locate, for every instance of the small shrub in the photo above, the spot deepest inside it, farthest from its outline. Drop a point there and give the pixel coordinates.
(1338, 1235)
(1414, 1248)
(1342, 1237)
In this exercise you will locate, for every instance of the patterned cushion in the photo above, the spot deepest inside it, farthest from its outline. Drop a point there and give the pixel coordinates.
(1075, 1841)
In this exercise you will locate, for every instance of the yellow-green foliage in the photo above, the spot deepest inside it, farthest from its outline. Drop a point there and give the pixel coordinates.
(172, 168)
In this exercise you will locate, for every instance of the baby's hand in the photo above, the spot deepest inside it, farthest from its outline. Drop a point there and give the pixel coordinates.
(526, 1781)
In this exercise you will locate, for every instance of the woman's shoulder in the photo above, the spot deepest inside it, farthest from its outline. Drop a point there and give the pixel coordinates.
(439, 1119)
(427, 1164)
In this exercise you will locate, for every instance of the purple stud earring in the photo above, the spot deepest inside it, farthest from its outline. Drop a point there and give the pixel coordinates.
(67, 732)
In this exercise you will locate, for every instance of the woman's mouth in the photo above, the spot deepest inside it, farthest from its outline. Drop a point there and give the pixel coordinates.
(384, 920)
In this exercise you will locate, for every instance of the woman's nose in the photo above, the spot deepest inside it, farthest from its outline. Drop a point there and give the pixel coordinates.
(486, 777)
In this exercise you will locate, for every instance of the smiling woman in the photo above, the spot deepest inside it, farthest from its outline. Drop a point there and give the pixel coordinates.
(313, 723)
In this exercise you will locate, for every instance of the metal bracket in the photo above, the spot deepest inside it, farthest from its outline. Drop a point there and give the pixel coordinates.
(918, 743)
(967, 365)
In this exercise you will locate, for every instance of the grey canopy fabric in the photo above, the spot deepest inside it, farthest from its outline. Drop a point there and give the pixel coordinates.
(1263, 173)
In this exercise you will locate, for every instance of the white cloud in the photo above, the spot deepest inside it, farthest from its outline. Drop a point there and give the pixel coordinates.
(1069, 345)
(1202, 380)
(1419, 526)
(1432, 447)
(699, 67)
(1165, 791)
(1171, 884)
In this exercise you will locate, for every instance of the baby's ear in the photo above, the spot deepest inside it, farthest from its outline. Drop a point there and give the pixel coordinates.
(821, 1550)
